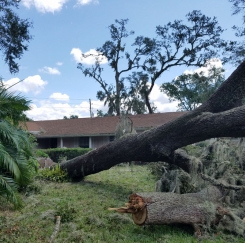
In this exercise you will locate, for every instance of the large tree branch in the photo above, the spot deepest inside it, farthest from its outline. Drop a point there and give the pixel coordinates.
(159, 144)
(230, 94)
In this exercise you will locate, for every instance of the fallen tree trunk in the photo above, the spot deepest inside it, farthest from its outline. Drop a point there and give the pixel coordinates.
(221, 116)
(201, 210)
(159, 143)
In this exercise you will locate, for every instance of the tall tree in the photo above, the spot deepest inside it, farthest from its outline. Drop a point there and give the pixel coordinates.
(114, 50)
(16, 146)
(175, 44)
(191, 90)
(178, 44)
(14, 34)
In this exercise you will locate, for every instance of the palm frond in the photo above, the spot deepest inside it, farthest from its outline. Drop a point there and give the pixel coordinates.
(8, 190)
(12, 105)
(8, 161)
(16, 163)
(8, 134)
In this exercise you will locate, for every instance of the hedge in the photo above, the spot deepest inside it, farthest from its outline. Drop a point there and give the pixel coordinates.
(59, 154)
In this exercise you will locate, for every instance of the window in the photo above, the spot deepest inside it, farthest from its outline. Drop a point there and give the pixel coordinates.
(111, 138)
(84, 142)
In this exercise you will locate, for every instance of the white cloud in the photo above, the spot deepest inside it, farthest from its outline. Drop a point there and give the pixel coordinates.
(58, 106)
(59, 96)
(86, 2)
(59, 63)
(90, 60)
(161, 100)
(32, 84)
(166, 107)
(50, 70)
(45, 5)
(157, 95)
(50, 110)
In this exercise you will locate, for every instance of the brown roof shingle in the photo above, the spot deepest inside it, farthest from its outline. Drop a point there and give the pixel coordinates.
(96, 125)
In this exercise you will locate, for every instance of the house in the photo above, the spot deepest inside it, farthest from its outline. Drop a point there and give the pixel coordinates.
(90, 132)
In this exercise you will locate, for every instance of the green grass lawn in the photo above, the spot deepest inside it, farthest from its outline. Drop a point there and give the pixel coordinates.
(83, 208)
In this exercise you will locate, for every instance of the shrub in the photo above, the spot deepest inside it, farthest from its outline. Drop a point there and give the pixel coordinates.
(54, 174)
(40, 154)
(69, 153)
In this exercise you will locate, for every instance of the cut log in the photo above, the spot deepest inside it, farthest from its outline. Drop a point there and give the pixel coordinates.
(201, 210)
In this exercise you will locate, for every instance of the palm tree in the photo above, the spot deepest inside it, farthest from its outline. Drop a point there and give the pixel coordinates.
(16, 162)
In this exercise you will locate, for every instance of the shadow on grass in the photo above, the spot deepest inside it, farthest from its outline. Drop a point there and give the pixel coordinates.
(107, 188)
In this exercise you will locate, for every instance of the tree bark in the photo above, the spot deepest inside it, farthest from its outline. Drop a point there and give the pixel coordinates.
(167, 208)
(201, 210)
(221, 116)
(147, 102)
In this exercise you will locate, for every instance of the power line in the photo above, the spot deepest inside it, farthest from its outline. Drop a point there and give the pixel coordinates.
(53, 105)
(54, 98)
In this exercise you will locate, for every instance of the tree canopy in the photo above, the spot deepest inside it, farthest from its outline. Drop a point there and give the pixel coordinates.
(175, 44)
(71, 117)
(192, 89)
(14, 34)
(235, 49)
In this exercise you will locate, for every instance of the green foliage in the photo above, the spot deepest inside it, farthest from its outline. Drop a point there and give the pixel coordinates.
(17, 165)
(69, 153)
(100, 113)
(53, 174)
(12, 106)
(191, 90)
(71, 117)
(14, 34)
(40, 154)
(66, 211)
(194, 150)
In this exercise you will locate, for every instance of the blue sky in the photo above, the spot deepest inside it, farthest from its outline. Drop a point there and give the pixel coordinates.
(62, 29)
